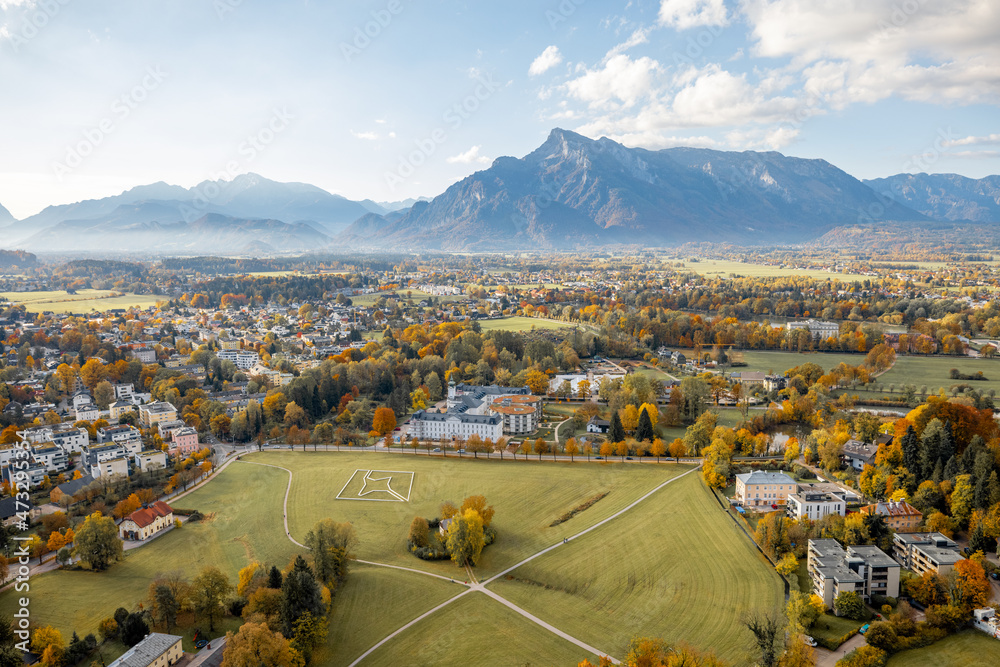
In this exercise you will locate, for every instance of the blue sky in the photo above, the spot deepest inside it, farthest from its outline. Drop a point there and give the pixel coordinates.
(100, 96)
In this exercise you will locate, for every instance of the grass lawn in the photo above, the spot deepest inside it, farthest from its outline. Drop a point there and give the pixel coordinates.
(527, 495)
(375, 602)
(246, 503)
(455, 636)
(721, 267)
(674, 567)
(934, 373)
(832, 628)
(779, 362)
(969, 648)
(521, 324)
(58, 301)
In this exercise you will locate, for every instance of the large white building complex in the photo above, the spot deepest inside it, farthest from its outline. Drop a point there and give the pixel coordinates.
(486, 411)
(818, 329)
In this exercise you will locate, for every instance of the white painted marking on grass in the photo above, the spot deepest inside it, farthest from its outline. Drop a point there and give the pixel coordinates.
(362, 495)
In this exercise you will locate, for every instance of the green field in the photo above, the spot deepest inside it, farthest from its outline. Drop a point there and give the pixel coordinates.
(968, 648)
(720, 267)
(476, 630)
(512, 487)
(238, 528)
(779, 362)
(832, 628)
(519, 323)
(674, 567)
(933, 372)
(84, 301)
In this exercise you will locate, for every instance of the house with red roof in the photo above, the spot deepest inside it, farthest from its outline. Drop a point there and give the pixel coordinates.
(146, 522)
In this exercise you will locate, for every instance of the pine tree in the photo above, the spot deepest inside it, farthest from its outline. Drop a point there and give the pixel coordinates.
(929, 454)
(911, 450)
(274, 578)
(951, 469)
(299, 594)
(617, 431)
(644, 431)
(938, 473)
(993, 488)
(975, 446)
(978, 540)
(947, 447)
(981, 495)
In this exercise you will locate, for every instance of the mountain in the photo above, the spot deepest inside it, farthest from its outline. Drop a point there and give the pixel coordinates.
(5, 217)
(398, 205)
(944, 196)
(247, 196)
(210, 232)
(575, 192)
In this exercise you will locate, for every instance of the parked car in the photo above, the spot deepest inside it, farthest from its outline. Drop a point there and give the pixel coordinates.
(599, 458)
(995, 575)
(810, 641)
(461, 451)
(774, 507)
(436, 449)
(864, 628)
(628, 458)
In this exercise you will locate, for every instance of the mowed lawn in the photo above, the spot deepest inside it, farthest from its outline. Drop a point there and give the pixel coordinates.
(375, 602)
(476, 630)
(527, 496)
(779, 362)
(674, 567)
(935, 373)
(968, 648)
(519, 323)
(59, 301)
(243, 504)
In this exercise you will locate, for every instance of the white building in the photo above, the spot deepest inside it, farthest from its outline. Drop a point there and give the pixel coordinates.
(244, 359)
(150, 459)
(66, 436)
(455, 426)
(815, 505)
(88, 412)
(985, 620)
(865, 570)
(819, 330)
(146, 355)
(110, 468)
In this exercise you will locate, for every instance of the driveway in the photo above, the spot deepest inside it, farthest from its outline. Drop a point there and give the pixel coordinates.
(825, 658)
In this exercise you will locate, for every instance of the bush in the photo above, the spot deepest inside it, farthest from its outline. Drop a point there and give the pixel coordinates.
(882, 635)
(864, 656)
(236, 605)
(195, 516)
(183, 512)
(850, 605)
(879, 601)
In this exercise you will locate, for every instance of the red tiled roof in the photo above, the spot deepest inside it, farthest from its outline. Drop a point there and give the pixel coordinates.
(147, 515)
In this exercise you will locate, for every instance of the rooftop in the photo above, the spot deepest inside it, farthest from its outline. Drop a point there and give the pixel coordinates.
(762, 477)
(147, 651)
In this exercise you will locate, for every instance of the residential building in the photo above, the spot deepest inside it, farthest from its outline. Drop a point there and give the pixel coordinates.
(520, 414)
(815, 505)
(760, 489)
(750, 379)
(146, 522)
(183, 441)
(124, 391)
(150, 459)
(88, 412)
(857, 454)
(10, 508)
(154, 413)
(81, 398)
(53, 458)
(985, 620)
(156, 650)
(119, 408)
(901, 516)
(146, 355)
(925, 552)
(244, 359)
(596, 425)
(110, 468)
(775, 382)
(99, 453)
(865, 570)
(125, 435)
(70, 438)
(819, 330)
(229, 344)
(70, 488)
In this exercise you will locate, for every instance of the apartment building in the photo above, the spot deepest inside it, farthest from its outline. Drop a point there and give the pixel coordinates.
(154, 413)
(926, 552)
(815, 505)
(865, 570)
(759, 488)
(901, 516)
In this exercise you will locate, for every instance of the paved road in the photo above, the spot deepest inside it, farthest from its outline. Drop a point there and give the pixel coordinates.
(825, 658)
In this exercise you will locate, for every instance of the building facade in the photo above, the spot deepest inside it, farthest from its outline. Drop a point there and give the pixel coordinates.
(925, 552)
(865, 570)
(146, 522)
(760, 489)
(901, 516)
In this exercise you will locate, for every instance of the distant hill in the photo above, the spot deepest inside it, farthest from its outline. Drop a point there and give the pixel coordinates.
(944, 196)
(247, 196)
(5, 217)
(17, 259)
(210, 231)
(575, 192)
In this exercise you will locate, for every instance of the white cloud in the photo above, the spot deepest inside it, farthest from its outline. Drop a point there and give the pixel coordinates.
(470, 156)
(640, 36)
(988, 140)
(619, 80)
(548, 59)
(27, 4)
(683, 14)
(367, 136)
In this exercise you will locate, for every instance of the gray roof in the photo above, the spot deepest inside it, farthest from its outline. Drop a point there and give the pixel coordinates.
(761, 477)
(873, 556)
(147, 651)
(863, 451)
(463, 417)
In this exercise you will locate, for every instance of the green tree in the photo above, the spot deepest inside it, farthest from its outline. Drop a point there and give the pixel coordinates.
(330, 545)
(849, 604)
(617, 432)
(300, 594)
(644, 430)
(309, 632)
(209, 589)
(166, 605)
(97, 544)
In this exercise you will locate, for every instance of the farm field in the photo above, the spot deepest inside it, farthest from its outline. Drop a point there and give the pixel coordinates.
(969, 648)
(672, 577)
(449, 637)
(58, 301)
(521, 324)
(933, 372)
(512, 487)
(718, 267)
(238, 527)
(779, 362)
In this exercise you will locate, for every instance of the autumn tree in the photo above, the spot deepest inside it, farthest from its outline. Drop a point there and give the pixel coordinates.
(969, 586)
(92, 372)
(478, 503)
(97, 542)
(572, 448)
(419, 532)
(330, 544)
(849, 604)
(256, 645)
(537, 381)
(678, 449)
(466, 538)
(384, 421)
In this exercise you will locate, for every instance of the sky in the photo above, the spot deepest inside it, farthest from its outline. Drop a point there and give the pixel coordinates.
(391, 99)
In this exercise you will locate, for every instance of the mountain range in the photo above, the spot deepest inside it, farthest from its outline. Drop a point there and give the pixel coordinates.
(571, 192)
